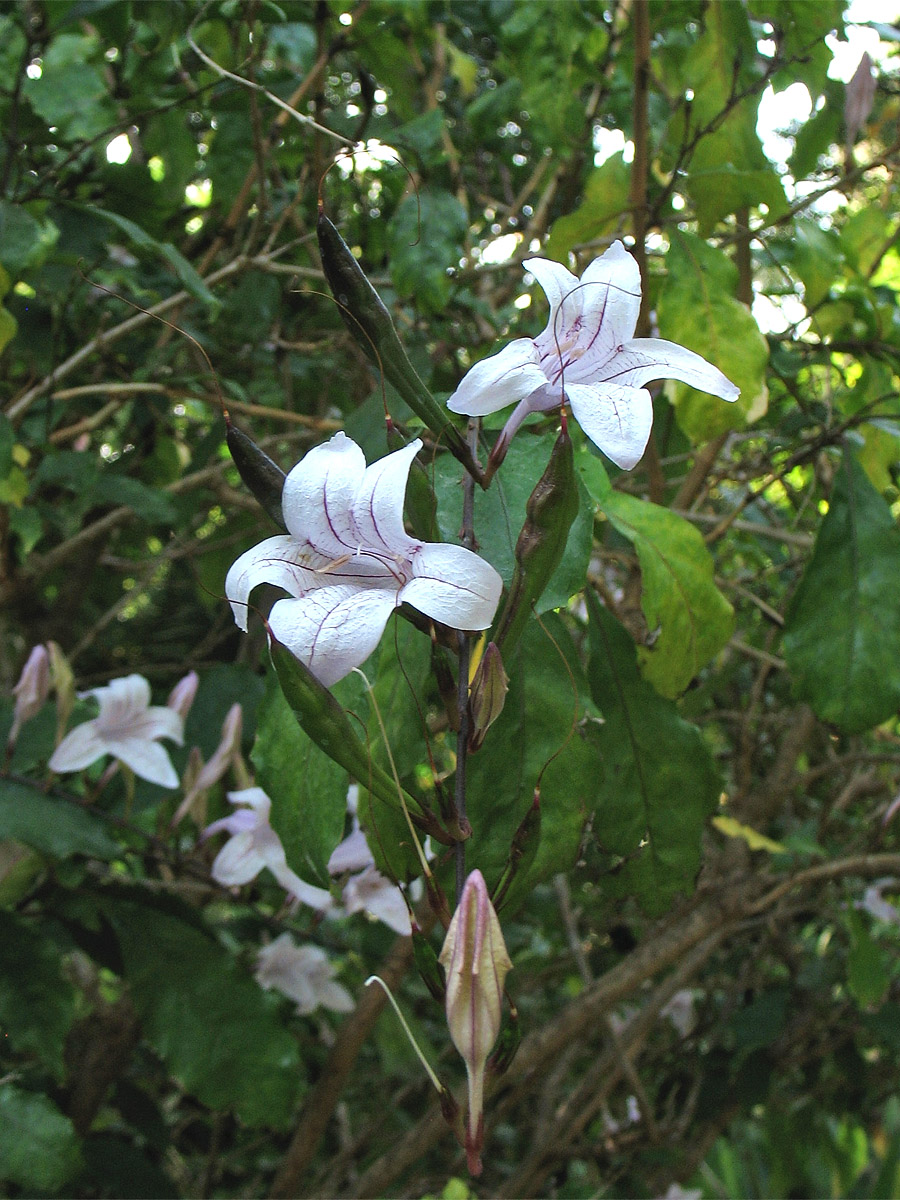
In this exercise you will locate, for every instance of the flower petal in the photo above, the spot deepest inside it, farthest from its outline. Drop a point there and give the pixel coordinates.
(453, 585)
(78, 749)
(643, 359)
(157, 722)
(352, 854)
(378, 508)
(318, 496)
(306, 893)
(278, 560)
(121, 700)
(557, 283)
(147, 759)
(334, 629)
(617, 419)
(239, 861)
(500, 380)
(374, 893)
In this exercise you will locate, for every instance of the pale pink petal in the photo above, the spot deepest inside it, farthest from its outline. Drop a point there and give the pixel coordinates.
(617, 419)
(501, 380)
(156, 722)
(318, 496)
(255, 798)
(147, 759)
(121, 701)
(278, 560)
(373, 893)
(454, 586)
(241, 859)
(334, 629)
(352, 854)
(644, 359)
(78, 749)
(378, 508)
(33, 688)
(242, 821)
(224, 753)
(306, 893)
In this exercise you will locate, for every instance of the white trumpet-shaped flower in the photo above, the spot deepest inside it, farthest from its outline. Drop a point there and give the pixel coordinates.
(128, 727)
(303, 973)
(347, 562)
(589, 358)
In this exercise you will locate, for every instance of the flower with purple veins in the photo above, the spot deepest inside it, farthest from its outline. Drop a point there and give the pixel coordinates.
(588, 358)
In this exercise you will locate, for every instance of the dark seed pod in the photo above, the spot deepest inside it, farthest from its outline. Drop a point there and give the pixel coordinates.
(263, 477)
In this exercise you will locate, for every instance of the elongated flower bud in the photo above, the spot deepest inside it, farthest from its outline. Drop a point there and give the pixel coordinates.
(476, 961)
(364, 314)
(263, 477)
(487, 695)
(31, 691)
(549, 513)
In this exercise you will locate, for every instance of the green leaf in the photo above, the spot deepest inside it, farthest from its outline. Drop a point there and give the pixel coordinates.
(70, 93)
(500, 514)
(141, 240)
(658, 783)
(698, 309)
(605, 199)
(38, 1145)
(548, 712)
(679, 597)
(868, 974)
(37, 1004)
(842, 630)
(24, 241)
(208, 1020)
(308, 791)
(53, 827)
(425, 240)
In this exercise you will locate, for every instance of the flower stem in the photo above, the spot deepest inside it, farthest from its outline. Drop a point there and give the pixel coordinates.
(467, 534)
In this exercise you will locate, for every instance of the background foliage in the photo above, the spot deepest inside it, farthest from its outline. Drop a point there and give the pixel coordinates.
(728, 612)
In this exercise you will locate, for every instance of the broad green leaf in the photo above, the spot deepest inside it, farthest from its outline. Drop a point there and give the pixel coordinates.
(208, 1020)
(547, 712)
(24, 241)
(605, 199)
(691, 618)
(698, 309)
(70, 93)
(842, 632)
(9, 327)
(141, 240)
(38, 1145)
(308, 791)
(52, 826)
(658, 782)
(500, 514)
(868, 972)
(817, 257)
(37, 1004)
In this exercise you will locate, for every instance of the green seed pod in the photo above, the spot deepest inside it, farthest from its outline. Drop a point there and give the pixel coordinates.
(325, 722)
(263, 477)
(549, 513)
(365, 315)
(427, 964)
(487, 695)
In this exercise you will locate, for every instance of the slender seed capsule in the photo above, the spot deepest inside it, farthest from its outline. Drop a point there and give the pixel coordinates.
(549, 513)
(325, 722)
(365, 315)
(522, 851)
(263, 477)
(426, 960)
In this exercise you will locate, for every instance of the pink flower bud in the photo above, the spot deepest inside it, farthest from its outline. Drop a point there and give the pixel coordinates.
(31, 691)
(182, 694)
(476, 962)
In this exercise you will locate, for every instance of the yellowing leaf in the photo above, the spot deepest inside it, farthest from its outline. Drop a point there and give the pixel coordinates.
(756, 841)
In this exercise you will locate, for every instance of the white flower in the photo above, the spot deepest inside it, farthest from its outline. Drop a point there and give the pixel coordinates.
(373, 893)
(303, 973)
(128, 729)
(182, 694)
(588, 357)
(347, 562)
(225, 755)
(254, 844)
